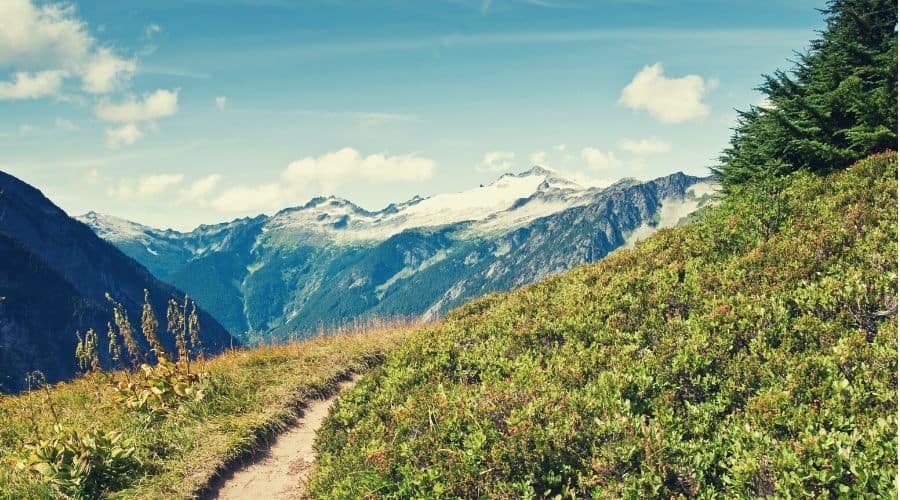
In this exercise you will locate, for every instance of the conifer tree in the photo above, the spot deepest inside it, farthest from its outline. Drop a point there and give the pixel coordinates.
(836, 106)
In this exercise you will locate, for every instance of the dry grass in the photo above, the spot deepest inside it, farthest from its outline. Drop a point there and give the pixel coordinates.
(255, 393)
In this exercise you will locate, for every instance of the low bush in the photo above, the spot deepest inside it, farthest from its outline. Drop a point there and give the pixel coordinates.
(752, 353)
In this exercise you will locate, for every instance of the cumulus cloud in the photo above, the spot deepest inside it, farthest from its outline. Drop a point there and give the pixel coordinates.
(127, 134)
(498, 161)
(669, 100)
(647, 146)
(32, 85)
(198, 191)
(260, 198)
(347, 165)
(48, 32)
(221, 101)
(52, 37)
(159, 104)
(586, 180)
(324, 173)
(539, 158)
(599, 160)
(145, 187)
(105, 72)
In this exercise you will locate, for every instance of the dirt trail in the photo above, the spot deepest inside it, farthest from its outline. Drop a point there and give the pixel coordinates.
(281, 472)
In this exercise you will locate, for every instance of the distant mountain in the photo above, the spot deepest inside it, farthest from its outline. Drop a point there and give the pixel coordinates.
(330, 260)
(54, 272)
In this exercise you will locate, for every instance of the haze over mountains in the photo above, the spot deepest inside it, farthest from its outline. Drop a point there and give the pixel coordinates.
(330, 260)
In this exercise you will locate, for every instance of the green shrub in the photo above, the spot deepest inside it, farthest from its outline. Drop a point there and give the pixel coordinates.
(752, 353)
(80, 464)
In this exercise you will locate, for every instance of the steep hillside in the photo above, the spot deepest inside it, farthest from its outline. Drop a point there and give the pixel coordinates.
(330, 261)
(750, 354)
(37, 305)
(54, 275)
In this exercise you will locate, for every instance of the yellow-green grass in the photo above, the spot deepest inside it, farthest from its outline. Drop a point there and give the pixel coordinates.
(255, 394)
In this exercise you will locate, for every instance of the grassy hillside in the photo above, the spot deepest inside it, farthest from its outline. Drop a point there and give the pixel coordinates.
(752, 353)
(249, 396)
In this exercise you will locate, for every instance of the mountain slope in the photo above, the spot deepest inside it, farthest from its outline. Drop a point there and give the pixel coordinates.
(332, 261)
(37, 304)
(54, 278)
(750, 354)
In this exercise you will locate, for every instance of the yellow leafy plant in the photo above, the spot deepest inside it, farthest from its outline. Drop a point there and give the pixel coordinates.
(79, 464)
(160, 388)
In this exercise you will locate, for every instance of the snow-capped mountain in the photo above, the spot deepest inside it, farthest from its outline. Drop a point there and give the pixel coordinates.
(331, 260)
(511, 200)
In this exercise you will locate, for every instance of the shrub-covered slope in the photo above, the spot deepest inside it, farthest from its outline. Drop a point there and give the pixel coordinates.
(751, 353)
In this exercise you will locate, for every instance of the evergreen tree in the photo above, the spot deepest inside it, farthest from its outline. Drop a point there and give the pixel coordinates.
(837, 105)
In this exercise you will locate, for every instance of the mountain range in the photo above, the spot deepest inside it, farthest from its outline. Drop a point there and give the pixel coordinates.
(54, 274)
(330, 261)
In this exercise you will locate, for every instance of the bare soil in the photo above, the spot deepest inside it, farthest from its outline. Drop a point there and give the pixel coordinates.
(281, 472)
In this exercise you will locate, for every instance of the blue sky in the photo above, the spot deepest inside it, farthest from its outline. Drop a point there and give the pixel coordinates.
(180, 112)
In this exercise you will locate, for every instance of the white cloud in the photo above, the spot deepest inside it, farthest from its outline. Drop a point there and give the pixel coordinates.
(560, 147)
(669, 100)
(25, 129)
(599, 160)
(497, 161)
(540, 158)
(580, 178)
(585, 179)
(221, 101)
(150, 32)
(125, 135)
(324, 173)
(145, 187)
(53, 38)
(32, 86)
(65, 124)
(347, 165)
(159, 104)
(261, 198)
(105, 72)
(48, 32)
(647, 146)
(199, 189)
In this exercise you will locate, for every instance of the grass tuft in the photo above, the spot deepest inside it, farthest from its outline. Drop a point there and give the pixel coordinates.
(251, 396)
